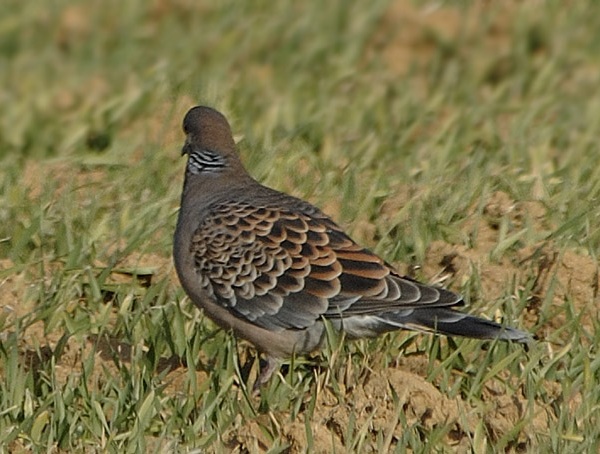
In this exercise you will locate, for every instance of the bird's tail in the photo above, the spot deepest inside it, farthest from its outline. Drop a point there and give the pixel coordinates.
(452, 323)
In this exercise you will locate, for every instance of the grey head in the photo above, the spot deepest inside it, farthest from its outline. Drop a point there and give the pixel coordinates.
(209, 144)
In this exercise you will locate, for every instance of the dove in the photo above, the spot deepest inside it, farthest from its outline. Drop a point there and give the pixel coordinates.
(274, 269)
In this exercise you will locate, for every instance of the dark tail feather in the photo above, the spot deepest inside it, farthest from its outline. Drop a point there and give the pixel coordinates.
(453, 323)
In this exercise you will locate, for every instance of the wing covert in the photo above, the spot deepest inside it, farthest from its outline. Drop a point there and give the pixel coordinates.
(282, 268)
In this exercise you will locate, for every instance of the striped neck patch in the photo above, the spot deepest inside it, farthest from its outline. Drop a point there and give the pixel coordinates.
(205, 161)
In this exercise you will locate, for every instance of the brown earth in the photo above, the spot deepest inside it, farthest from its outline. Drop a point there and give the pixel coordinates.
(572, 276)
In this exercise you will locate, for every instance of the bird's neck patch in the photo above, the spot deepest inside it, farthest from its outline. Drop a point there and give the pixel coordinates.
(205, 161)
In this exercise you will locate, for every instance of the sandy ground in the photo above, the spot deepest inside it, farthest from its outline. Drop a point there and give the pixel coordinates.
(418, 399)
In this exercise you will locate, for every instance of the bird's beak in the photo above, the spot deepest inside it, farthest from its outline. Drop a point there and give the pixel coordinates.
(186, 147)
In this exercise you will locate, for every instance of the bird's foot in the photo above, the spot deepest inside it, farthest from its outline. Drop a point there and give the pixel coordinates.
(267, 368)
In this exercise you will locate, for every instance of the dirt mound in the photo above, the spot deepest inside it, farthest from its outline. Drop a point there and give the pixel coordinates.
(504, 256)
(505, 252)
(390, 402)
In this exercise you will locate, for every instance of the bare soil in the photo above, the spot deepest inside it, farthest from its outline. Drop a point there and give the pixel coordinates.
(571, 274)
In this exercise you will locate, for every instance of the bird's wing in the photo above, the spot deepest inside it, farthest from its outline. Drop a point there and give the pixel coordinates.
(285, 268)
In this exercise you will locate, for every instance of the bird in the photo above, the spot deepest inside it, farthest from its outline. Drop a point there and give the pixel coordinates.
(274, 269)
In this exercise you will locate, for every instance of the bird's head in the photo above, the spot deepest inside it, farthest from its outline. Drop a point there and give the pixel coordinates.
(209, 142)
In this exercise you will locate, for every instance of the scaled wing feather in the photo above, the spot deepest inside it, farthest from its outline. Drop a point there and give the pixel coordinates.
(283, 268)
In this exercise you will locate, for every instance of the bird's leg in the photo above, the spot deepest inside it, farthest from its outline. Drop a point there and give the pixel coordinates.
(267, 368)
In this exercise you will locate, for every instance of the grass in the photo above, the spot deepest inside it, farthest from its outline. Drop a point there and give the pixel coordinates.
(458, 141)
